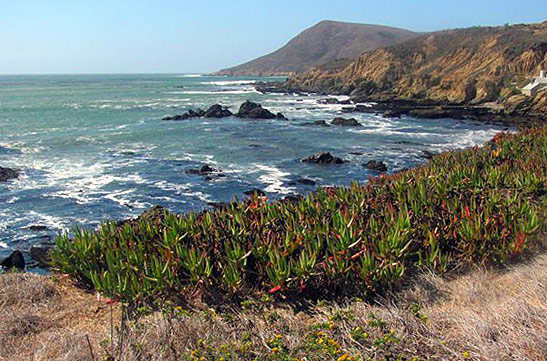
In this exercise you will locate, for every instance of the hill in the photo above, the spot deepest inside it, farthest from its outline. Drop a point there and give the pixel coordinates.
(322, 43)
(472, 66)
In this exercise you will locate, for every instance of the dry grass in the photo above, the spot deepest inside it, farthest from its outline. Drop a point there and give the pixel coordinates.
(45, 320)
(483, 315)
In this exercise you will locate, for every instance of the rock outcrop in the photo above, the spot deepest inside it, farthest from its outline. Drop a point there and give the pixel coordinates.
(14, 261)
(217, 111)
(7, 174)
(214, 111)
(351, 122)
(251, 110)
(322, 158)
(376, 165)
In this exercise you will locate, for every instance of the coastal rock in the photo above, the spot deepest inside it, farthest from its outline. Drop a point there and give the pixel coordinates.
(392, 113)
(253, 110)
(292, 198)
(322, 158)
(375, 165)
(328, 101)
(38, 228)
(41, 254)
(7, 174)
(220, 205)
(321, 123)
(304, 181)
(351, 122)
(189, 114)
(14, 261)
(217, 111)
(153, 214)
(205, 170)
(255, 192)
(331, 101)
(427, 154)
(430, 113)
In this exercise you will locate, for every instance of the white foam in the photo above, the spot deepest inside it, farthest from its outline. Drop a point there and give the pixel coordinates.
(275, 177)
(228, 82)
(3, 245)
(49, 220)
(220, 92)
(191, 76)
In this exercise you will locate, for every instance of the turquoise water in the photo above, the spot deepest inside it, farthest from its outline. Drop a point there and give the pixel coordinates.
(94, 147)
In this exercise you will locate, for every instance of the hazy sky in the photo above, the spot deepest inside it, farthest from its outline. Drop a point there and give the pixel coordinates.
(119, 36)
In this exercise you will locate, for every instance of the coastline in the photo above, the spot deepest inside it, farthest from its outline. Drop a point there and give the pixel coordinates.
(55, 318)
(514, 114)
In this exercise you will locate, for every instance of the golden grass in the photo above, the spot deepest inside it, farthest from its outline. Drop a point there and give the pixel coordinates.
(487, 314)
(44, 318)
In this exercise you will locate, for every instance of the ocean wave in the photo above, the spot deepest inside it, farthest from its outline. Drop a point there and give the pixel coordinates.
(190, 76)
(219, 92)
(275, 178)
(48, 220)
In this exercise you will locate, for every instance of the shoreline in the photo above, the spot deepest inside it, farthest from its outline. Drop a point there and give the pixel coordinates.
(393, 107)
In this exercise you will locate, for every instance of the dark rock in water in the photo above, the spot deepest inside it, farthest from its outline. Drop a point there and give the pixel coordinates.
(205, 170)
(253, 110)
(189, 114)
(427, 154)
(14, 260)
(391, 113)
(153, 214)
(430, 113)
(304, 181)
(322, 158)
(280, 116)
(219, 205)
(328, 101)
(255, 192)
(292, 198)
(7, 174)
(378, 166)
(356, 152)
(320, 123)
(217, 111)
(38, 228)
(41, 254)
(351, 122)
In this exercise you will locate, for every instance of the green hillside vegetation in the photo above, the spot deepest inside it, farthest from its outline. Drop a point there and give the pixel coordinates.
(476, 206)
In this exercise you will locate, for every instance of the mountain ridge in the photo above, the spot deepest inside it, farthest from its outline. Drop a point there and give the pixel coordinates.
(324, 42)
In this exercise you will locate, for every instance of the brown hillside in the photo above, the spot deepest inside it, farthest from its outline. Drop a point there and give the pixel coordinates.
(322, 43)
(473, 65)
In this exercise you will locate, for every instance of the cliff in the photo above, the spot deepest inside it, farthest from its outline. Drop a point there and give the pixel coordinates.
(471, 66)
(322, 43)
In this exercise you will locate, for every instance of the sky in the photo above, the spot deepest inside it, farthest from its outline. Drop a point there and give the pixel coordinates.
(168, 36)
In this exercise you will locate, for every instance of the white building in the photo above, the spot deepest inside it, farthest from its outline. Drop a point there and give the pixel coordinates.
(537, 84)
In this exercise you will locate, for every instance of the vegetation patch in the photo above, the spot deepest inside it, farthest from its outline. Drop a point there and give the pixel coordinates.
(476, 206)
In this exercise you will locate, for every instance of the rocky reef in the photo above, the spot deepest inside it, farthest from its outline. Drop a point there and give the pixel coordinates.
(248, 110)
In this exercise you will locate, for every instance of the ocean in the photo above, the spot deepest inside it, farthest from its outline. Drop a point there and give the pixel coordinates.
(94, 147)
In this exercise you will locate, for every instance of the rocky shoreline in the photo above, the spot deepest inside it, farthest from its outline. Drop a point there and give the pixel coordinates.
(515, 111)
